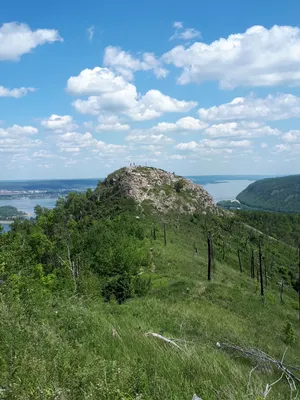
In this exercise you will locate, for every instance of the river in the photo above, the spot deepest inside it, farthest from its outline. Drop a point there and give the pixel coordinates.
(220, 189)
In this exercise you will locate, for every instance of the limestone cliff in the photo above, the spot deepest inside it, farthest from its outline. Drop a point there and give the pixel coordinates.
(156, 189)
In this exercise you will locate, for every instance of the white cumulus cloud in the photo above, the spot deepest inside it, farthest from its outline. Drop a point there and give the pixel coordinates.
(183, 125)
(16, 139)
(125, 64)
(17, 130)
(243, 129)
(59, 123)
(292, 136)
(273, 107)
(149, 139)
(74, 142)
(256, 57)
(217, 146)
(16, 92)
(111, 123)
(112, 93)
(17, 39)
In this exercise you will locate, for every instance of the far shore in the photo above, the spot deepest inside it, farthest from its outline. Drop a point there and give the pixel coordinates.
(10, 221)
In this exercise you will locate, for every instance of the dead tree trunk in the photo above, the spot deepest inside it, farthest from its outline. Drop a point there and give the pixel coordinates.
(299, 279)
(261, 271)
(265, 270)
(212, 255)
(240, 262)
(165, 235)
(281, 292)
(154, 232)
(252, 265)
(209, 256)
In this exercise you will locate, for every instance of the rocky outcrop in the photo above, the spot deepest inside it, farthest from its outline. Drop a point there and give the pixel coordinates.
(153, 188)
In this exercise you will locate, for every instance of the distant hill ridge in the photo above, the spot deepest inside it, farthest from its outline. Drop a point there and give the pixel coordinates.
(153, 188)
(273, 194)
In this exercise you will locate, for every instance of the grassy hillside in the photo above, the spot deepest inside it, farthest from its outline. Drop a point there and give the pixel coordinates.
(273, 194)
(82, 289)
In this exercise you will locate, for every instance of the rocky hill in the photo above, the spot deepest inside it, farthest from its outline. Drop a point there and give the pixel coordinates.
(273, 194)
(153, 188)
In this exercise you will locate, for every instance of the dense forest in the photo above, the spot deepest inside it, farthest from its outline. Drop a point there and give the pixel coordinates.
(111, 301)
(273, 194)
(8, 213)
(282, 226)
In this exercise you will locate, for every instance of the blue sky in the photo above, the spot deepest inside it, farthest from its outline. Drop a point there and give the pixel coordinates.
(193, 87)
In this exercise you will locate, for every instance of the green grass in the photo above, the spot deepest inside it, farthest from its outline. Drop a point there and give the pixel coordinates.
(57, 347)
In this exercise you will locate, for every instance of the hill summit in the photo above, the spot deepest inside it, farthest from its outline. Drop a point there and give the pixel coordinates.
(155, 189)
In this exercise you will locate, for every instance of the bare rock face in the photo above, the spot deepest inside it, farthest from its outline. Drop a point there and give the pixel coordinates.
(159, 190)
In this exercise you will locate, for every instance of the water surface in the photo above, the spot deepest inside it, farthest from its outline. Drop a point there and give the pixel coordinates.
(220, 187)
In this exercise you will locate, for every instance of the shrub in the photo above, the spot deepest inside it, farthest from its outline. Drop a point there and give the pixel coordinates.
(289, 337)
(179, 185)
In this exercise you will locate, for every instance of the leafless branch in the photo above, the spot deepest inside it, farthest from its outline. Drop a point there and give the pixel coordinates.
(164, 339)
(260, 357)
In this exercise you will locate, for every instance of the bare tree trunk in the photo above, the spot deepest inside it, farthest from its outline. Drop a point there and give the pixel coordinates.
(261, 271)
(299, 279)
(72, 266)
(212, 254)
(240, 262)
(165, 235)
(209, 256)
(154, 232)
(281, 292)
(252, 265)
(265, 269)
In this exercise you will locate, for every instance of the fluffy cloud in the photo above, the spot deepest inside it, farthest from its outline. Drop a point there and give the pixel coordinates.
(74, 142)
(96, 81)
(272, 107)
(59, 123)
(279, 148)
(206, 146)
(149, 139)
(125, 64)
(42, 154)
(241, 129)
(17, 130)
(111, 123)
(16, 93)
(257, 57)
(18, 39)
(292, 136)
(16, 139)
(112, 93)
(183, 125)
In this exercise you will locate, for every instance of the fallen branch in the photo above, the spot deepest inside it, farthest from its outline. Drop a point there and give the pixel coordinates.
(260, 357)
(163, 338)
(249, 379)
